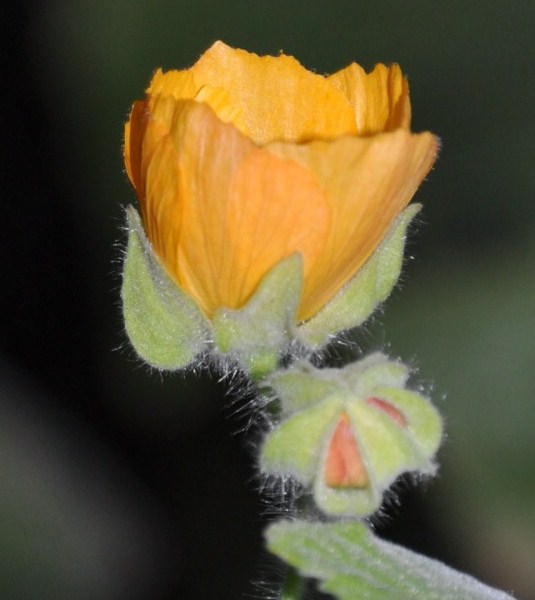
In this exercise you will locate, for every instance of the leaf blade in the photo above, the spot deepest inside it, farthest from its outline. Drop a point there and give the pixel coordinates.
(353, 563)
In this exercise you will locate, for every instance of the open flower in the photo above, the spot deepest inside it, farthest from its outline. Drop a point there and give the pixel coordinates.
(243, 160)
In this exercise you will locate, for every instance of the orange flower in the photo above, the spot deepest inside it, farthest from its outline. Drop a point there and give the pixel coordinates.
(243, 160)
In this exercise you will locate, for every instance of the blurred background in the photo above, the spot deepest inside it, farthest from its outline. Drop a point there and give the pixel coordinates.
(117, 483)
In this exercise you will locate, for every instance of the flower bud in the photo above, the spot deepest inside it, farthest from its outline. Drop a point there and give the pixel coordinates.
(349, 433)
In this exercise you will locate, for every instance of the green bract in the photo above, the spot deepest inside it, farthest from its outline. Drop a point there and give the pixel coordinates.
(395, 430)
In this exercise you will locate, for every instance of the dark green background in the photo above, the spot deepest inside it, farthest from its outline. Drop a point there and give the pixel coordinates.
(116, 483)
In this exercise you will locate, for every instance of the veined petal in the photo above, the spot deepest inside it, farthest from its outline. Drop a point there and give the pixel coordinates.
(277, 97)
(380, 99)
(188, 180)
(367, 182)
(218, 100)
(157, 168)
(244, 209)
(275, 208)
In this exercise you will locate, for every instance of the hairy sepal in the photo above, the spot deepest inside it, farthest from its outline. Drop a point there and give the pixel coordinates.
(396, 430)
(164, 325)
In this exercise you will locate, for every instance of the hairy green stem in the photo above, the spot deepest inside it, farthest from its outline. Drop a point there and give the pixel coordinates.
(293, 586)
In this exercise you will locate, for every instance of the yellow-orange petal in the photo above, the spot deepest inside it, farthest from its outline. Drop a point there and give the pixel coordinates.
(180, 85)
(275, 208)
(147, 128)
(367, 182)
(277, 98)
(155, 180)
(241, 209)
(219, 101)
(189, 172)
(133, 140)
(343, 466)
(380, 99)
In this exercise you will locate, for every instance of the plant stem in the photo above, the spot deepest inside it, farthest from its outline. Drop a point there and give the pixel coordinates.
(293, 585)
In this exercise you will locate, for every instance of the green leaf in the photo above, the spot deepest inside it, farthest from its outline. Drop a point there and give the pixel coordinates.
(368, 288)
(164, 325)
(351, 563)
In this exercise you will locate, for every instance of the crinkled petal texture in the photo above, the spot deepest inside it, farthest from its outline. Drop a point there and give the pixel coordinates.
(243, 160)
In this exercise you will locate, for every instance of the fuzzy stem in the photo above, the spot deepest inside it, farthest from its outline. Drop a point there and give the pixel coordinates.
(293, 585)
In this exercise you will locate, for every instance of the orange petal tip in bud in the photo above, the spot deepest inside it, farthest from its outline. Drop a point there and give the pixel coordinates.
(344, 467)
(390, 410)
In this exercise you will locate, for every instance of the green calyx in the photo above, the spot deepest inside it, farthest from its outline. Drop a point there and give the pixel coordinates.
(168, 329)
(394, 430)
(372, 285)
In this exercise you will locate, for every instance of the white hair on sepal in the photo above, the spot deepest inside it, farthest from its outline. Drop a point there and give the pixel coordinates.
(125, 346)
(393, 496)
(245, 395)
(294, 351)
(280, 492)
(201, 362)
(343, 346)
(390, 504)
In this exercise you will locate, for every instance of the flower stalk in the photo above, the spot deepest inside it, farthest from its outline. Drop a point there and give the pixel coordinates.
(293, 586)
